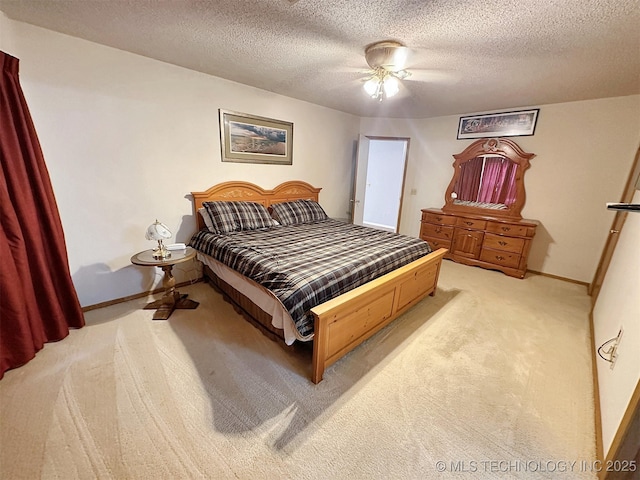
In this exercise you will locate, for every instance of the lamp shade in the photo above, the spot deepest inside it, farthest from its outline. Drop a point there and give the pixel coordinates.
(157, 231)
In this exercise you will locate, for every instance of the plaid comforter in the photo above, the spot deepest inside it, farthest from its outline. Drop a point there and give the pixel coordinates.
(308, 264)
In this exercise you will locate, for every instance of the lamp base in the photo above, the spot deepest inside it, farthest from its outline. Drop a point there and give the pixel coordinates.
(161, 253)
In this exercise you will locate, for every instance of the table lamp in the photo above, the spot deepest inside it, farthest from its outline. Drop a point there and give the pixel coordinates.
(159, 231)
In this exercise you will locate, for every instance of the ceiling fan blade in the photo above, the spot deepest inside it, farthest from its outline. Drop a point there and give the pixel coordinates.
(432, 76)
(354, 70)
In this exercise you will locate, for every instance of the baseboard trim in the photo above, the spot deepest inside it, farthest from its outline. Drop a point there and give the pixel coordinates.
(621, 433)
(596, 394)
(558, 277)
(115, 301)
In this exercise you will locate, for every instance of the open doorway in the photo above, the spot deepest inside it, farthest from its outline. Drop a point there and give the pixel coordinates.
(379, 182)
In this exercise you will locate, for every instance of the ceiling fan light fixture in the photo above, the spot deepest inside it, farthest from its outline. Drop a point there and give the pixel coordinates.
(387, 59)
(391, 86)
(382, 84)
(371, 86)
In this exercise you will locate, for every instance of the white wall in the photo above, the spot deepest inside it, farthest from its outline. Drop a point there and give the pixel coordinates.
(618, 306)
(3, 27)
(126, 138)
(584, 151)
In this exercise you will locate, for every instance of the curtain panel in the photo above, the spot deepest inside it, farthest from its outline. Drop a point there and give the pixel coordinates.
(492, 179)
(38, 302)
(468, 182)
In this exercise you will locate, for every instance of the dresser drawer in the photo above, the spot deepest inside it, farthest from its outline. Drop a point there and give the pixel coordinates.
(471, 223)
(436, 231)
(509, 229)
(506, 244)
(436, 243)
(436, 218)
(497, 257)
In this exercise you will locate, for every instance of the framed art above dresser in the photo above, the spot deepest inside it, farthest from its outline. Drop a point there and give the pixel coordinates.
(481, 223)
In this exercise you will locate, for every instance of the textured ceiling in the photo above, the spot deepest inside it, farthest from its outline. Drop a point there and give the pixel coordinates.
(467, 55)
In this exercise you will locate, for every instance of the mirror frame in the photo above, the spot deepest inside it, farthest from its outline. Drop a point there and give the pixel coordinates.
(496, 146)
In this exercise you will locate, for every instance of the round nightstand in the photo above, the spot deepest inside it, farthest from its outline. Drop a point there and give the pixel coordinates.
(172, 299)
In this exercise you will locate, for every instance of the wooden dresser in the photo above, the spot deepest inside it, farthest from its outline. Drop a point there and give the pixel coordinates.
(488, 242)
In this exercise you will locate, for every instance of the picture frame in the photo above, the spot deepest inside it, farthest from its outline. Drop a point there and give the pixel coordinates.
(504, 124)
(248, 138)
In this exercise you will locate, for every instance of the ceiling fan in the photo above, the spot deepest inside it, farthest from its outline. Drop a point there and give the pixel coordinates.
(387, 60)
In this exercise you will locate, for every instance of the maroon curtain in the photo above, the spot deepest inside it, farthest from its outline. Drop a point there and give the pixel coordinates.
(509, 190)
(492, 178)
(38, 301)
(469, 180)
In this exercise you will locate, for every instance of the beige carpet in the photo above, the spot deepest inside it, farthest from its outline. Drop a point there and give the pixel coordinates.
(492, 376)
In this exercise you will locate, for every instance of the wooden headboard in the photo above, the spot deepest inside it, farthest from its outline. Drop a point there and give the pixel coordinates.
(248, 192)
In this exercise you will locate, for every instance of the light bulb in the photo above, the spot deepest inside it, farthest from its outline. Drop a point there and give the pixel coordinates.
(371, 86)
(391, 86)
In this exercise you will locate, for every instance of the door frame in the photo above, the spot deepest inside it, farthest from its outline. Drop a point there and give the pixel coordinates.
(404, 174)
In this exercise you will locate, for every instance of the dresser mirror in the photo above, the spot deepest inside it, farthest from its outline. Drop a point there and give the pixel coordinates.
(488, 179)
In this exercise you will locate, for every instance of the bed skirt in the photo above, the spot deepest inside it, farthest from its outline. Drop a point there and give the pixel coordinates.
(248, 309)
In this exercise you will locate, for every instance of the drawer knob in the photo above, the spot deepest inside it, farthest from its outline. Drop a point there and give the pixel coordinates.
(439, 219)
(438, 230)
(502, 243)
(506, 229)
(499, 257)
(469, 223)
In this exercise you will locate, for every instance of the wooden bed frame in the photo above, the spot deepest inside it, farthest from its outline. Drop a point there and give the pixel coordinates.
(343, 323)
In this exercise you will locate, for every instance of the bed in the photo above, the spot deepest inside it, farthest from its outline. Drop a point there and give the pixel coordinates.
(340, 321)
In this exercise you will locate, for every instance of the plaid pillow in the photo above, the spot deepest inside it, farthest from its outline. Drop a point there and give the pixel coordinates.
(252, 216)
(297, 211)
(235, 216)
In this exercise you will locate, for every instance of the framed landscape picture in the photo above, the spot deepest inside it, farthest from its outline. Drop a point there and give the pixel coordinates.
(507, 124)
(251, 139)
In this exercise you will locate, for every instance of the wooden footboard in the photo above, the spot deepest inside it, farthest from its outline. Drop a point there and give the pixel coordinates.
(343, 323)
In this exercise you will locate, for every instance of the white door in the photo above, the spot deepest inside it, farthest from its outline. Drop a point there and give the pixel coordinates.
(379, 182)
(357, 207)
